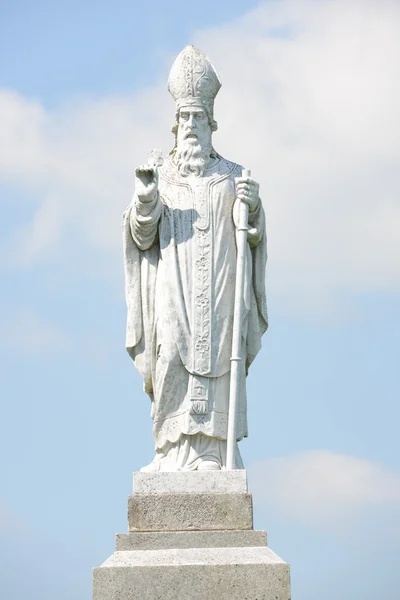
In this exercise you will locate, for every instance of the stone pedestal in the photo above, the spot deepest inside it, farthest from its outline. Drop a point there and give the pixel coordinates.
(191, 537)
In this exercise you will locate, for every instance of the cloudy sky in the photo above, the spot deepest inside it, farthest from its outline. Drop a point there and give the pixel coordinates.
(309, 102)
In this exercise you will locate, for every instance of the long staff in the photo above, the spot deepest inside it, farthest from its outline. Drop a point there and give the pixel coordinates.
(236, 358)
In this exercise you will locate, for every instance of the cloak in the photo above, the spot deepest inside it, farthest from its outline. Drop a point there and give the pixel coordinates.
(180, 263)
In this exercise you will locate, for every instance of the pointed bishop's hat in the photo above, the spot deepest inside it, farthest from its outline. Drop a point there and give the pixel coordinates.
(193, 81)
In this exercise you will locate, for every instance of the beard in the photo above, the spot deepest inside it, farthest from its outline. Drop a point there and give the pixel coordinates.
(192, 159)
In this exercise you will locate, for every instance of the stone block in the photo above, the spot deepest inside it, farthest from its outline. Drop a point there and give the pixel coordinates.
(192, 511)
(190, 481)
(163, 540)
(195, 574)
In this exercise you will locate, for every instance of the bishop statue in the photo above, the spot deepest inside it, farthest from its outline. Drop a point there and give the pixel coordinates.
(180, 247)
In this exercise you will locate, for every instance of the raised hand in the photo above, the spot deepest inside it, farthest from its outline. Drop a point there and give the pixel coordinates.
(247, 190)
(146, 182)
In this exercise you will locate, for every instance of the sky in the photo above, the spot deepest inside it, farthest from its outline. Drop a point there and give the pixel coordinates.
(309, 102)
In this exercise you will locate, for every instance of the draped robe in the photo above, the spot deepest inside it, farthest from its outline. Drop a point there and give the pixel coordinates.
(180, 268)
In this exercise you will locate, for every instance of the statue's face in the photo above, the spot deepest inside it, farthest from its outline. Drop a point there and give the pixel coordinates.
(193, 127)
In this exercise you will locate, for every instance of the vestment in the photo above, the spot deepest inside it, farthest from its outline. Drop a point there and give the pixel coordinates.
(180, 265)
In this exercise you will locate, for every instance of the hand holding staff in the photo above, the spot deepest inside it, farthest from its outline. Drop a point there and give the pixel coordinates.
(236, 358)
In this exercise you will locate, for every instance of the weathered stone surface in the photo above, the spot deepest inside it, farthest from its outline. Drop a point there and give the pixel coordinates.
(195, 249)
(183, 236)
(179, 512)
(158, 540)
(190, 481)
(195, 574)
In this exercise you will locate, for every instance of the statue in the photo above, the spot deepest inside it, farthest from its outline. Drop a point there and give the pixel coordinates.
(180, 249)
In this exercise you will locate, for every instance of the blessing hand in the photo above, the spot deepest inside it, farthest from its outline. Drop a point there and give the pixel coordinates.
(146, 182)
(247, 190)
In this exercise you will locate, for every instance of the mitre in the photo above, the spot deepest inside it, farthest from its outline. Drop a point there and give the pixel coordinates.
(193, 80)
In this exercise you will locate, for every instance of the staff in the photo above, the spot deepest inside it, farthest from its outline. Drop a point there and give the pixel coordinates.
(236, 358)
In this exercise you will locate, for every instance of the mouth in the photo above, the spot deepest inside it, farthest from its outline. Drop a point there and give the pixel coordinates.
(191, 136)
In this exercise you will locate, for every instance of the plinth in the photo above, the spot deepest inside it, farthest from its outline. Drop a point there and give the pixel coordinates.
(191, 537)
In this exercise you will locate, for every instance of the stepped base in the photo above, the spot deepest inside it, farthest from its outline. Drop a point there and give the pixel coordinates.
(164, 540)
(179, 512)
(191, 538)
(195, 574)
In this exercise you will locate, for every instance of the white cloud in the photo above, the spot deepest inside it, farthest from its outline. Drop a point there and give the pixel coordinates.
(78, 162)
(317, 113)
(313, 112)
(325, 489)
(26, 332)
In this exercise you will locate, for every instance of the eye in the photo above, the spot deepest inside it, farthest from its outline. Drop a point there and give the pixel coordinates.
(200, 116)
(184, 116)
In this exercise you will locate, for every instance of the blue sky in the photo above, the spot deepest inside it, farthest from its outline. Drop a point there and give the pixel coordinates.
(309, 102)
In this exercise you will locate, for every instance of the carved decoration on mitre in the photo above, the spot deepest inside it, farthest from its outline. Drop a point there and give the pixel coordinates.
(193, 80)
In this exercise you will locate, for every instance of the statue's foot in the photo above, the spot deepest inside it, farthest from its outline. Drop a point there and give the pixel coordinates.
(209, 465)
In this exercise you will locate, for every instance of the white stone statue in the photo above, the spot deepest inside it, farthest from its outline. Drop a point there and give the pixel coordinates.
(180, 264)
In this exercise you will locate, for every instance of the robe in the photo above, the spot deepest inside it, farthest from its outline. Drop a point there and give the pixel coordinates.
(180, 268)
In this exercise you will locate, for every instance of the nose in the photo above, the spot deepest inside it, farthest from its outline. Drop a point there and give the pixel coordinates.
(192, 122)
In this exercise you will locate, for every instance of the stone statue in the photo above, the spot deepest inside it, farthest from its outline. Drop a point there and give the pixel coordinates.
(180, 264)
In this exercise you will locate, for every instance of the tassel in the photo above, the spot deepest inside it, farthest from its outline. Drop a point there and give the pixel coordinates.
(199, 407)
